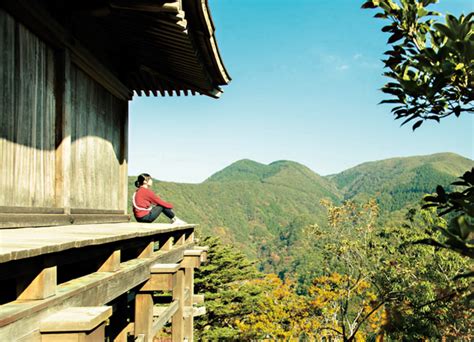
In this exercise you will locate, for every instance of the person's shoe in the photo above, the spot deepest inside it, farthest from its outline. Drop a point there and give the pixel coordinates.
(176, 220)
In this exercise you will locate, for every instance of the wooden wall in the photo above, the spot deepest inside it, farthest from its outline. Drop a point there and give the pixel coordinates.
(63, 125)
(27, 118)
(97, 121)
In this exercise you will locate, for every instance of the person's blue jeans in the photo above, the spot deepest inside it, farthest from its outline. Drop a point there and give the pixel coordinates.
(154, 213)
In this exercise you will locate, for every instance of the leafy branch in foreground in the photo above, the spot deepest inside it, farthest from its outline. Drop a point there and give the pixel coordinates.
(459, 233)
(431, 64)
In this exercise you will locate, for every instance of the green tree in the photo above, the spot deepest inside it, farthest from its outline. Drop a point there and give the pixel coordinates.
(432, 301)
(222, 281)
(431, 67)
(383, 283)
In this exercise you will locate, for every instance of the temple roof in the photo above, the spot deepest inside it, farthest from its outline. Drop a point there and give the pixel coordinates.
(154, 47)
(172, 45)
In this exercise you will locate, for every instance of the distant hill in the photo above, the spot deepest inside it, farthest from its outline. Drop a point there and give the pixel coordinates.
(398, 182)
(247, 202)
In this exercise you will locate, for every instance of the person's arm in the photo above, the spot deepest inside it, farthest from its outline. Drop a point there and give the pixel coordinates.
(157, 200)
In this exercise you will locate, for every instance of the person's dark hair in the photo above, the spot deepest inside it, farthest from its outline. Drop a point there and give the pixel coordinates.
(141, 179)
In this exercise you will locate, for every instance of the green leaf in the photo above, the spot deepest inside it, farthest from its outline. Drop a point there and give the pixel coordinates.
(368, 4)
(395, 37)
(417, 124)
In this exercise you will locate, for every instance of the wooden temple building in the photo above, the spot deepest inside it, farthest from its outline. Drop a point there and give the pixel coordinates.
(72, 266)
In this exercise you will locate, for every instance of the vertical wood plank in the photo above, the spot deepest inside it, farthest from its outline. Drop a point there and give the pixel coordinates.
(188, 303)
(144, 315)
(96, 145)
(27, 117)
(177, 327)
(63, 133)
(124, 160)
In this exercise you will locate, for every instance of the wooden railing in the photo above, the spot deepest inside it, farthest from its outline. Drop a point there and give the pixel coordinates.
(48, 272)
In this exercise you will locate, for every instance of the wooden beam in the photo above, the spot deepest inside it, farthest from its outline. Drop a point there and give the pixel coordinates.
(147, 6)
(112, 264)
(47, 220)
(96, 211)
(147, 251)
(21, 318)
(30, 210)
(42, 286)
(198, 299)
(164, 316)
(33, 220)
(181, 240)
(161, 278)
(123, 335)
(190, 237)
(95, 218)
(76, 319)
(191, 259)
(167, 245)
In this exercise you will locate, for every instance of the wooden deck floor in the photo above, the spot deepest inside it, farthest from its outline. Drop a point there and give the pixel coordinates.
(16, 244)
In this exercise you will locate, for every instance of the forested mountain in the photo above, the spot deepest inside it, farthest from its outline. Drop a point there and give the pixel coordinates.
(398, 182)
(251, 204)
(247, 202)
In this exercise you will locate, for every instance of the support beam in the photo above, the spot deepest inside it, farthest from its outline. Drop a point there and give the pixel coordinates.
(147, 252)
(162, 278)
(205, 251)
(42, 286)
(167, 245)
(190, 237)
(192, 258)
(112, 264)
(181, 240)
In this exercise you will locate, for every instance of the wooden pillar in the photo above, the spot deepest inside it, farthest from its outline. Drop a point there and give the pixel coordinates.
(191, 260)
(188, 304)
(177, 328)
(63, 131)
(124, 161)
(41, 286)
(163, 277)
(144, 315)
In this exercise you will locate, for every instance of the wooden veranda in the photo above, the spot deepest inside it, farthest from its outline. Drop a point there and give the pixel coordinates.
(65, 283)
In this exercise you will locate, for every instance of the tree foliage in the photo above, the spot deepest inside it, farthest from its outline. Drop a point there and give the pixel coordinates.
(430, 63)
(459, 234)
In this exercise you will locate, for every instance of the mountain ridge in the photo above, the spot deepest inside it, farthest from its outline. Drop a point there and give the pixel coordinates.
(247, 203)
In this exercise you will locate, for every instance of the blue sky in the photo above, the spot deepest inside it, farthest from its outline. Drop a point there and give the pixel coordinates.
(306, 75)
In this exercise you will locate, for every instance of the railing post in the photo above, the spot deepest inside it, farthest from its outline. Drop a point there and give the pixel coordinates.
(177, 329)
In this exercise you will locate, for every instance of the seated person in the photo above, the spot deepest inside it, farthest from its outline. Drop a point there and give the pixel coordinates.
(147, 206)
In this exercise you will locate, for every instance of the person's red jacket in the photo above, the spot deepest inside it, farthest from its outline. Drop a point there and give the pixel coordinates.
(143, 200)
